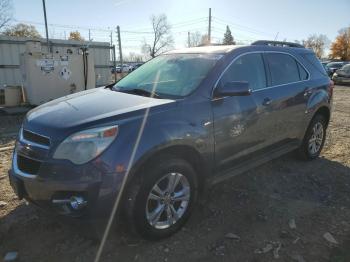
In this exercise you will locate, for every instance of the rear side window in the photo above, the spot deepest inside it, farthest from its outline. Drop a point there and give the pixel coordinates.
(302, 72)
(283, 68)
(250, 68)
(313, 60)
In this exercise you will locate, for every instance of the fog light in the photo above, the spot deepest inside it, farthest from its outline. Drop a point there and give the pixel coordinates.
(77, 202)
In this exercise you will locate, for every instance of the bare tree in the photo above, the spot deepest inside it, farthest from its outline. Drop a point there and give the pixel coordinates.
(195, 39)
(133, 57)
(205, 40)
(317, 43)
(162, 38)
(5, 13)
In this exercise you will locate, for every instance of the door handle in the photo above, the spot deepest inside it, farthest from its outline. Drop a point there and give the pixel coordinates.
(267, 101)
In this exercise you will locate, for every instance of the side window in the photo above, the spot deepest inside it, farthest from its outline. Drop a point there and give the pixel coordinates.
(302, 72)
(283, 68)
(250, 68)
(313, 60)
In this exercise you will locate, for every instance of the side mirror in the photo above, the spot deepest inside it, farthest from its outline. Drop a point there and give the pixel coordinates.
(235, 88)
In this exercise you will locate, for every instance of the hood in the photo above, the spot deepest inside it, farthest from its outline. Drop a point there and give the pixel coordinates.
(86, 107)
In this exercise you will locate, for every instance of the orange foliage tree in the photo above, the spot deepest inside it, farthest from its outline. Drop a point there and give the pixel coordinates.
(75, 35)
(340, 48)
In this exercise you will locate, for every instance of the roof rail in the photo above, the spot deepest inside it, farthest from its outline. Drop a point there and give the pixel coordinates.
(211, 44)
(277, 43)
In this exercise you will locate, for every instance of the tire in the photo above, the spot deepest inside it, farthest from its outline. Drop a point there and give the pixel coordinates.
(315, 132)
(141, 205)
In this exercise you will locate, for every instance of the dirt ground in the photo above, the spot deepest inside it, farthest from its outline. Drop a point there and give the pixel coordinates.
(277, 212)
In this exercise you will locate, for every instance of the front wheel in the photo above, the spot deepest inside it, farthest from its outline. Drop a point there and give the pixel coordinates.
(314, 139)
(161, 203)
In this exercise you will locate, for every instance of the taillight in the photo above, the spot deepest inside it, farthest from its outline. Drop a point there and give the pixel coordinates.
(330, 88)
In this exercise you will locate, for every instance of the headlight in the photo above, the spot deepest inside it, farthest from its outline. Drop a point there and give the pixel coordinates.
(83, 146)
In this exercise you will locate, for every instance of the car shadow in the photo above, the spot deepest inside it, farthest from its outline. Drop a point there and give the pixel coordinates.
(256, 206)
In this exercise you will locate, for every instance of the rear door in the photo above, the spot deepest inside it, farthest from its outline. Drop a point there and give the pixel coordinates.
(289, 92)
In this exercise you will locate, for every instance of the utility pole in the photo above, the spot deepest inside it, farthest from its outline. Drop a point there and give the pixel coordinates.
(114, 64)
(120, 49)
(111, 36)
(89, 35)
(188, 39)
(47, 31)
(209, 28)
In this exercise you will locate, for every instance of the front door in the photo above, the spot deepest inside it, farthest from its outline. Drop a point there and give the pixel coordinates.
(242, 124)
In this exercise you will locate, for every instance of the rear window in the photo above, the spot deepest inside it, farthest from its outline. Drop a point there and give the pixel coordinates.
(313, 60)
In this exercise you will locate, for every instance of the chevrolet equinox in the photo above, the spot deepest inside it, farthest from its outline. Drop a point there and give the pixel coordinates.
(182, 121)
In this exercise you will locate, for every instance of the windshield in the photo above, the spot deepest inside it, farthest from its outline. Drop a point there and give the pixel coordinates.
(173, 75)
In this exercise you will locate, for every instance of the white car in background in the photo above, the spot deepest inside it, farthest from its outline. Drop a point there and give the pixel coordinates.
(125, 68)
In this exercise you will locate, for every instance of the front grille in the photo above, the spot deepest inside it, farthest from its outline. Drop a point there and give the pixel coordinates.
(30, 136)
(28, 165)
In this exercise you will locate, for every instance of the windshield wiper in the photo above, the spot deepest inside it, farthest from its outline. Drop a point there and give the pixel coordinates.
(142, 92)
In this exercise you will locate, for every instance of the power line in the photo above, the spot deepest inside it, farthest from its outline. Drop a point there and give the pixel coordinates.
(137, 32)
(249, 29)
(140, 35)
(202, 20)
(146, 30)
(221, 31)
(173, 25)
(192, 20)
(191, 30)
(64, 26)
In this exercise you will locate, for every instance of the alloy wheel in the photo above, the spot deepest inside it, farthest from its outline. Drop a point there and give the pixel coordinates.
(316, 139)
(168, 200)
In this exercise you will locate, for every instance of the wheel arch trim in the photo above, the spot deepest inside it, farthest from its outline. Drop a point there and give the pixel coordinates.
(184, 151)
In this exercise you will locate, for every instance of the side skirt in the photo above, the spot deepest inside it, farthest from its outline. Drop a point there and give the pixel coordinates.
(253, 162)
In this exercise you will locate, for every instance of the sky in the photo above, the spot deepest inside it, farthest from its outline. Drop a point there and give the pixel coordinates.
(248, 20)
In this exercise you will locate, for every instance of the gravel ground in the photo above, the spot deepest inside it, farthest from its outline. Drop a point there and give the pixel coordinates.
(284, 211)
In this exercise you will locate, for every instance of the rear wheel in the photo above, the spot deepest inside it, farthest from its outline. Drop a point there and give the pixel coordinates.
(162, 201)
(314, 139)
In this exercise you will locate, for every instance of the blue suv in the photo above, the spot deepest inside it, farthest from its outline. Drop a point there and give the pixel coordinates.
(151, 143)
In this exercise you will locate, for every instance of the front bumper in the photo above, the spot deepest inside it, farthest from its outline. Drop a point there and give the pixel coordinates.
(49, 190)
